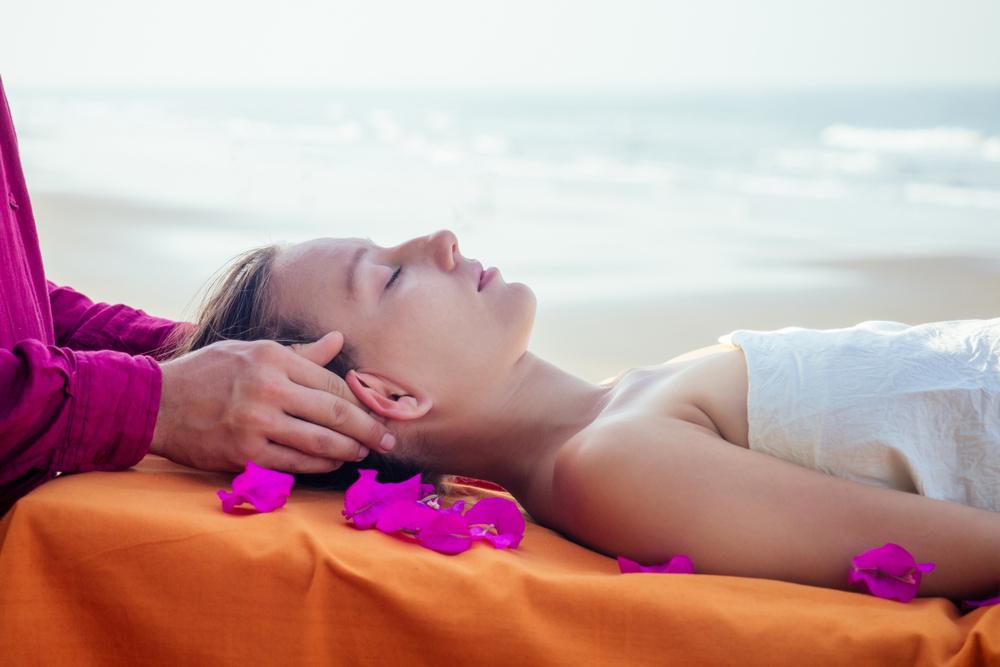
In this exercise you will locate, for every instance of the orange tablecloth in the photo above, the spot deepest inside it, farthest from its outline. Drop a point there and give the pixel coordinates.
(143, 567)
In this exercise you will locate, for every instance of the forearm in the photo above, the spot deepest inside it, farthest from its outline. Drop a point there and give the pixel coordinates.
(69, 411)
(766, 517)
(963, 542)
(81, 324)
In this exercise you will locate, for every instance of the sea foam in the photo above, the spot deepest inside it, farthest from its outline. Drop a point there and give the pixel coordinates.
(906, 140)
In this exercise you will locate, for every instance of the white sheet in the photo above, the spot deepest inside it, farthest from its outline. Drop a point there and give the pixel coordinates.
(915, 408)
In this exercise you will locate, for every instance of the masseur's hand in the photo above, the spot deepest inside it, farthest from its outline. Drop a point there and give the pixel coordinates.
(236, 400)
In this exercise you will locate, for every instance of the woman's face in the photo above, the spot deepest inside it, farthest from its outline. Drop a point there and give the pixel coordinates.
(427, 325)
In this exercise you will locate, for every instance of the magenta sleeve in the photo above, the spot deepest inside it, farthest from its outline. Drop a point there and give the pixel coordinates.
(81, 324)
(68, 411)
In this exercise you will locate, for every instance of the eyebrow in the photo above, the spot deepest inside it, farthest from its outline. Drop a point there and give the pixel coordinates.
(352, 270)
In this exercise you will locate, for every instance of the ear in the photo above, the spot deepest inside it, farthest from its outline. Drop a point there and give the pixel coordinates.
(387, 398)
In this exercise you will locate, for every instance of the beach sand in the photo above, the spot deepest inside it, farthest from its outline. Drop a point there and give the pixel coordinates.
(103, 248)
(600, 341)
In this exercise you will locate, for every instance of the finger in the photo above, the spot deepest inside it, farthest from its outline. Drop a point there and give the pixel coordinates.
(276, 456)
(314, 440)
(321, 351)
(334, 413)
(308, 374)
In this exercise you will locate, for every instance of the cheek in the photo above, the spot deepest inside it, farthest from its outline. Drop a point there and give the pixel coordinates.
(430, 312)
(437, 325)
(415, 329)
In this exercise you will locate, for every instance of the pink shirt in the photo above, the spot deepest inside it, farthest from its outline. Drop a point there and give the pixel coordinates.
(77, 389)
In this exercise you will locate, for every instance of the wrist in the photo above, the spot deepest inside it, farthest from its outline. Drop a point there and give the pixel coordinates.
(156, 443)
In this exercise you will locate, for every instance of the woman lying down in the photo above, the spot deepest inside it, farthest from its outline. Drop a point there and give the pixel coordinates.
(778, 454)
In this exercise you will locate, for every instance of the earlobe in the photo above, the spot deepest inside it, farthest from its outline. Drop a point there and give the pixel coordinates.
(386, 398)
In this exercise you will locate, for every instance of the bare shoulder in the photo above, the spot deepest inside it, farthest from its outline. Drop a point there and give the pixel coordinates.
(700, 353)
(703, 352)
(618, 442)
(621, 463)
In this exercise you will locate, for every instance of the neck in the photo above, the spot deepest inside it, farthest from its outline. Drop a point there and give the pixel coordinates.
(515, 430)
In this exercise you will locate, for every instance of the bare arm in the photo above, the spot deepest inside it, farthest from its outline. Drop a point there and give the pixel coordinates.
(649, 494)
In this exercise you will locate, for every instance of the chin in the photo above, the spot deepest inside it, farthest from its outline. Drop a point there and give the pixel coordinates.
(525, 323)
(524, 291)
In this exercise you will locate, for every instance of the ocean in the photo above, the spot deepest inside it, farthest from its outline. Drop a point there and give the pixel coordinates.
(585, 195)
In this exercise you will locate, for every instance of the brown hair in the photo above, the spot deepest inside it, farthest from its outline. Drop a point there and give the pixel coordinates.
(238, 306)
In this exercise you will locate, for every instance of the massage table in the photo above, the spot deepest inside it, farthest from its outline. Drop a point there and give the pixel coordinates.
(142, 567)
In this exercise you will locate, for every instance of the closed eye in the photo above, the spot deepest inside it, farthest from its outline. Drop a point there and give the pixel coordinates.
(394, 276)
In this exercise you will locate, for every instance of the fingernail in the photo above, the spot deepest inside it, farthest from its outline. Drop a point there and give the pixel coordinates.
(388, 441)
(362, 453)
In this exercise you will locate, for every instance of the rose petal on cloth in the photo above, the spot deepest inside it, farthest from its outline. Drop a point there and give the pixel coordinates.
(366, 499)
(265, 489)
(229, 500)
(405, 515)
(677, 565)
(448, 533)
(413, 507)
(971, 604)
(457, 508)
(496, 520)
(888, 571)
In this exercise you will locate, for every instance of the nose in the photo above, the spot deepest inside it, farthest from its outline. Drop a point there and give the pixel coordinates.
(441, 248)
(443, 245)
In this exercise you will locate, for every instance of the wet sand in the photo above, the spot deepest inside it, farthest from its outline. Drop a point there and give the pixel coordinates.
(103, 248)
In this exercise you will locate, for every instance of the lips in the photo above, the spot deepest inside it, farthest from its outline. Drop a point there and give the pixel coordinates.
(479, 275)
(486, 276)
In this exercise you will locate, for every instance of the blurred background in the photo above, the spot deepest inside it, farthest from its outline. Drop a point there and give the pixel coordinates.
(659, 173)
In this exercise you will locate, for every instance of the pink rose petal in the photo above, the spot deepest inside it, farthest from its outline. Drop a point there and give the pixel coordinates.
(412, 507)
(889, 571)
(677, 565)
(229, 500)
(970, 604)
(366, 499)
(457, 508)
(405, 515)
(448, 533)
(496, 520)
(266, 490)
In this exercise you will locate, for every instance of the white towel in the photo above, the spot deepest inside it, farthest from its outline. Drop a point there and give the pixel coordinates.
(914, 408)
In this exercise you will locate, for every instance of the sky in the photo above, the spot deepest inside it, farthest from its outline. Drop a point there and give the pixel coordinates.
(533, 43)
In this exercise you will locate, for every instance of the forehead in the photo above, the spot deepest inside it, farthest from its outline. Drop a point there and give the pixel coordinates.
(316, 264)
(327, 256)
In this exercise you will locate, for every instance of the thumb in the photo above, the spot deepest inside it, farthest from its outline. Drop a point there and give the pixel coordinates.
(323, 350)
